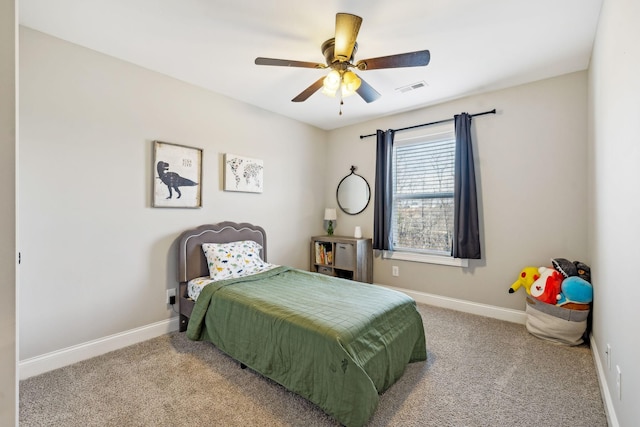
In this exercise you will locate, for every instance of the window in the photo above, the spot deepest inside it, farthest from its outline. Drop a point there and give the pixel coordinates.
(423, 180)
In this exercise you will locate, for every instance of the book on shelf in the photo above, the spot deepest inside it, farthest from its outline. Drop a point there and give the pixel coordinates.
(324, 254)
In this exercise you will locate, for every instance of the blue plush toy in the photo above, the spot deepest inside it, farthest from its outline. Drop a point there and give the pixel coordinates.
(575, 290)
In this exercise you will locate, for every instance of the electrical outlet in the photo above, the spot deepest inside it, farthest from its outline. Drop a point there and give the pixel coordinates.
(607, 354)
(395, 271)
(171, 293)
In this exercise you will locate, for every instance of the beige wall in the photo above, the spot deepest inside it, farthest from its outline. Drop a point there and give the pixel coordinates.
(614, 229)
(97, 259)
(8, 396)
(94, 248)
(532, 184)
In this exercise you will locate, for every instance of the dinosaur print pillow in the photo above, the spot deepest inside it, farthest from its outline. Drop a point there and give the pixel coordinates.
(195, 286)
(235, 259)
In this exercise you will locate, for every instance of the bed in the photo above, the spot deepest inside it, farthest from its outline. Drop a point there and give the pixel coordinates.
(336, 342)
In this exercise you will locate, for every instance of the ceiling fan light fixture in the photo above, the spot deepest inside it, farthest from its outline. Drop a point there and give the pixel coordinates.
(339, 52)
(331, 83)
(350, 83)
(347, 81)
(329, 92)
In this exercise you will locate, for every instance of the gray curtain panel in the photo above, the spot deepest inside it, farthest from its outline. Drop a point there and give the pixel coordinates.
(383, 191)
(466, 229)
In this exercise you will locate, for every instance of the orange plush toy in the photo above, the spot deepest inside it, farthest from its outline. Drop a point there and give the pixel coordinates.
(528, 275)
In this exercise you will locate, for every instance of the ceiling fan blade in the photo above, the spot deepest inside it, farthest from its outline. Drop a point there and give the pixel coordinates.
(347, 27)
(366, 92)
(411, 59)
(309, 91)
(287, 63)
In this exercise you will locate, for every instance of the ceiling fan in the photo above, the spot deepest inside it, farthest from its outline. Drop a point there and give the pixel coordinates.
(339, 52)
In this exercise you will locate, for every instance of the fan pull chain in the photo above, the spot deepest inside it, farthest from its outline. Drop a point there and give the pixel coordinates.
(341, 104)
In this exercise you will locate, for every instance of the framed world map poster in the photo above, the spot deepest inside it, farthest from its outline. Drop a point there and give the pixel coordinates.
(243, 174)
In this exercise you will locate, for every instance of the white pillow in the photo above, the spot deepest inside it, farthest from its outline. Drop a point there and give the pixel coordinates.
(235, 259)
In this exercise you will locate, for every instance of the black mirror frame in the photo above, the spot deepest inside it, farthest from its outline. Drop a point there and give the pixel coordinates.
(353, 172)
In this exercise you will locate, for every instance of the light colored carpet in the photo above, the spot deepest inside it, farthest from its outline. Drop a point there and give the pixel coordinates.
(479, 372)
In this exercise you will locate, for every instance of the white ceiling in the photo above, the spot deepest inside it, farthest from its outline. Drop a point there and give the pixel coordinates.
(475, 46)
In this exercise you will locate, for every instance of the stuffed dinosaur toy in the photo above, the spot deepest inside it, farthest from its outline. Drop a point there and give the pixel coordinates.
(528, 275)
(564, 267)
(584, 271)
(571, 269)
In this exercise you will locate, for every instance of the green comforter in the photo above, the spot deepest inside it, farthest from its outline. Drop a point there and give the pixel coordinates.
(335, 342)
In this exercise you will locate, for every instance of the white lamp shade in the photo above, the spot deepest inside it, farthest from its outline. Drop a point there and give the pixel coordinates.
(350, 83)
(330, 214)
(331, 83)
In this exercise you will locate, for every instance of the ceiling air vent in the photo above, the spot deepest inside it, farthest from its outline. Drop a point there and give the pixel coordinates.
(412, 86)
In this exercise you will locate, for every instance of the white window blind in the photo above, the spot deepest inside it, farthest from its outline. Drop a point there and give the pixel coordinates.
(423, 176)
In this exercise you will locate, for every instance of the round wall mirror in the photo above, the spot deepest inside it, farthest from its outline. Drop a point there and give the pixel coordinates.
(353, 193)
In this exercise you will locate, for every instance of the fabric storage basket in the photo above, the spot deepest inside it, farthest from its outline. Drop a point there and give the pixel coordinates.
(555, 323)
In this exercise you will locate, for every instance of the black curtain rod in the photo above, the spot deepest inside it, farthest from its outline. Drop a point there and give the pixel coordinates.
(432, 123)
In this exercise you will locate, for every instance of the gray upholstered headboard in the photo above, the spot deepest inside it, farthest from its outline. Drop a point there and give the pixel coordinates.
(191, 260)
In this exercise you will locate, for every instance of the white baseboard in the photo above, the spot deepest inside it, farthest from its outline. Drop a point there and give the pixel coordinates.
(67, 356)
(507, 314)
(604, 389)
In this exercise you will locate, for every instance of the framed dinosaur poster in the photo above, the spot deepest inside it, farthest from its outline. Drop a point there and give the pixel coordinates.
(177, 176)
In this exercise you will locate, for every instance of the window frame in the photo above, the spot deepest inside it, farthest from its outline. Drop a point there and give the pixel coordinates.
(437, 133)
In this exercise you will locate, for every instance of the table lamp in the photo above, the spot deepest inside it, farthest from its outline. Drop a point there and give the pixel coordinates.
(330, 216)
